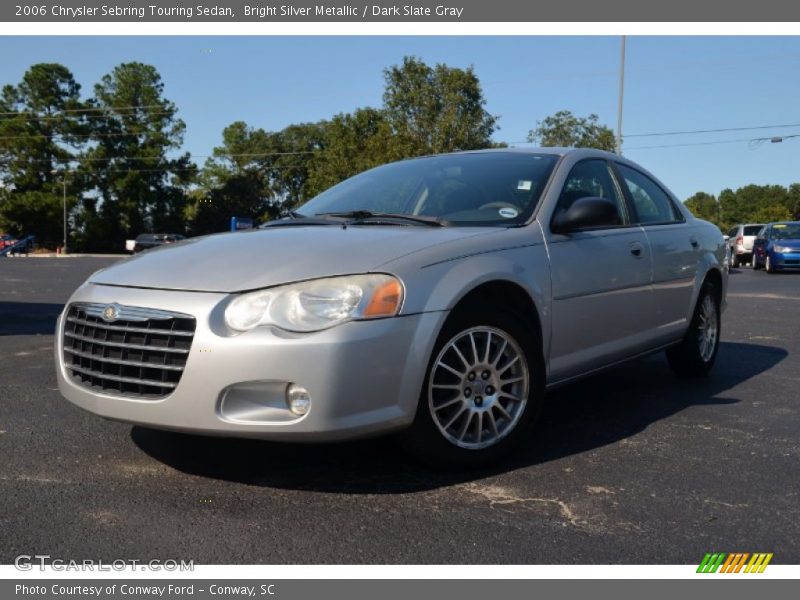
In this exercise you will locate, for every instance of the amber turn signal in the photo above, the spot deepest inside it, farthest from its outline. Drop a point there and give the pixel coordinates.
(386, 300)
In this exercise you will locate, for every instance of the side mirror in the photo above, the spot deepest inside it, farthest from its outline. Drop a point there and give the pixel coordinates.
(586, 212)
(725, 237)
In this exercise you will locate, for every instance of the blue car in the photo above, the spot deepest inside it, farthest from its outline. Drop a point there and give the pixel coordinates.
(777, 247)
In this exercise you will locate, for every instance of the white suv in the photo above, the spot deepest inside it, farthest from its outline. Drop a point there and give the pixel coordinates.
(740, 241)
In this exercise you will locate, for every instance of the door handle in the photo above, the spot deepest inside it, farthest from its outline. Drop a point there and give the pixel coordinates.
(637, 249)
(693, 241)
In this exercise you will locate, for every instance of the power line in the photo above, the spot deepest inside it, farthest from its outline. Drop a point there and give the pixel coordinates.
(754, 142)
(162, 158)
(739, 141)
(68, 136)
(176, 170)
(695, 131)
(720, 130)
(85, 109)
(31, 117)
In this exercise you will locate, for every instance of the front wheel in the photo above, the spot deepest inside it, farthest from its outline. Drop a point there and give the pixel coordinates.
(768, 265)
(696, 354)
(482, 392)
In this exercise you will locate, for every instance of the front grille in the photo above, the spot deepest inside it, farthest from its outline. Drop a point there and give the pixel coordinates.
(132, 352)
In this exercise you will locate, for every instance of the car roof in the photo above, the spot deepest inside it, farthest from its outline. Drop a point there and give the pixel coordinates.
(556, 150)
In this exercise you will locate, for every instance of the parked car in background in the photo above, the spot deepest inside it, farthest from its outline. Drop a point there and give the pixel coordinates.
(740, 241)
(438, 297)
(146, 241)
(777, 247)
(7, 240)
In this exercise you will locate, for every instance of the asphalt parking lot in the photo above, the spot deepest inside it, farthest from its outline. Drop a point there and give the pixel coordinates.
(630, 466)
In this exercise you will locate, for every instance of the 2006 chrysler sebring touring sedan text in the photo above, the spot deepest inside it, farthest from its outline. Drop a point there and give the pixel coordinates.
(440, 296)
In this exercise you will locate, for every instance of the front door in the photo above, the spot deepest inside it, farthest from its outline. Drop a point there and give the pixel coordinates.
(600, 281)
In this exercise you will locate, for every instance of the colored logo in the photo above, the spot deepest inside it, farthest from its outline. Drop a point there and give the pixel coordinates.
(111, 312)
(736, 562)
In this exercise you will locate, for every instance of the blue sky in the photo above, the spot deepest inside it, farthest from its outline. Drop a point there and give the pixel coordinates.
(672, 84)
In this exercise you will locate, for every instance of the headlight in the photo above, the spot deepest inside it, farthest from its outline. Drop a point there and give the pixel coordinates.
(317, 304)
(782, 249)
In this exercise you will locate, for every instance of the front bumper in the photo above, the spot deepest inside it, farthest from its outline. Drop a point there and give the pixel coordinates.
(785, 259)
(364, 377)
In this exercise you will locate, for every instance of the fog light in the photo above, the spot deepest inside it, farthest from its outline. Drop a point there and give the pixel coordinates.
(298, 399)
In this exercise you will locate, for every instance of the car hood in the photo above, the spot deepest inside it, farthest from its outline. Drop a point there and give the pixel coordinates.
(790, 243)
(248, 260)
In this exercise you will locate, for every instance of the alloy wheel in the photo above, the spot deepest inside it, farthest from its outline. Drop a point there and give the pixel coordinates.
(707, 329)
(478, 387)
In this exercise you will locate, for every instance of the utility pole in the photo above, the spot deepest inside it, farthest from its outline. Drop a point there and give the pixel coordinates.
(621, 93)
(64, 248)
(64, 182)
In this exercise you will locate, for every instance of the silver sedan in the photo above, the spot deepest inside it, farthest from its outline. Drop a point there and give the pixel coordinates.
(438, 297)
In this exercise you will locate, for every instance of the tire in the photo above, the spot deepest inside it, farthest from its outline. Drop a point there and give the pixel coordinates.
(735, 261)
(696, 354)
(768, 265)
(490, 424)
(756, 266)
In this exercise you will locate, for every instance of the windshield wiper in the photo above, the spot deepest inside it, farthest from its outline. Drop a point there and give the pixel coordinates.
(364, 216)
(289, 218)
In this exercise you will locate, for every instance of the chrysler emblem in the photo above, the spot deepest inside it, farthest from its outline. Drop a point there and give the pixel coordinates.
(111, 312)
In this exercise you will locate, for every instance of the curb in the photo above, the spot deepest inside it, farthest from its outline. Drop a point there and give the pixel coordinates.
(54, 255)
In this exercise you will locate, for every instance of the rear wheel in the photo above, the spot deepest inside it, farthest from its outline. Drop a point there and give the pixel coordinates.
(735, 261)
(482, 393)
(696, 354)
(756, 266)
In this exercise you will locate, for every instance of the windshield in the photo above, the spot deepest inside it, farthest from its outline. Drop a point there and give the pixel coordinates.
(490, 188)
(786, 231)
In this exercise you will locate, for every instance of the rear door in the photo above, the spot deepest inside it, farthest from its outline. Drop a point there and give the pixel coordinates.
(600, 279)
(675, 249)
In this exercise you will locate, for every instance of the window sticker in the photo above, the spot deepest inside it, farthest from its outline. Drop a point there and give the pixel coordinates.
(508, 212)
(524, 185)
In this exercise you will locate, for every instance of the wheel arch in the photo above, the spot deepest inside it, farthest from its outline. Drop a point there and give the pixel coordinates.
(513, 296)
(714, 276)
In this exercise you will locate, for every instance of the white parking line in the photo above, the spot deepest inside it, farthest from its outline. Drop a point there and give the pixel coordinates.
(765, 296)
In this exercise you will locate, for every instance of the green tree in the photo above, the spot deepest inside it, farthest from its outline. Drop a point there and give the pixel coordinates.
(352, 143)
(755, 204)
(290, 169)
(567, 130)
(704, 206)
(139, 186)
(793, 200)
(233, 181)
(436, 109)
(769, 213)
(42, 125)
(254, 173)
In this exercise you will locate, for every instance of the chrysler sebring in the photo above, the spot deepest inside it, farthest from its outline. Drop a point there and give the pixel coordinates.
(437, 297)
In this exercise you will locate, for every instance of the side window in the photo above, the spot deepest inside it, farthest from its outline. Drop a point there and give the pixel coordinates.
(591, 178)
(651, 203)
(732, 232)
